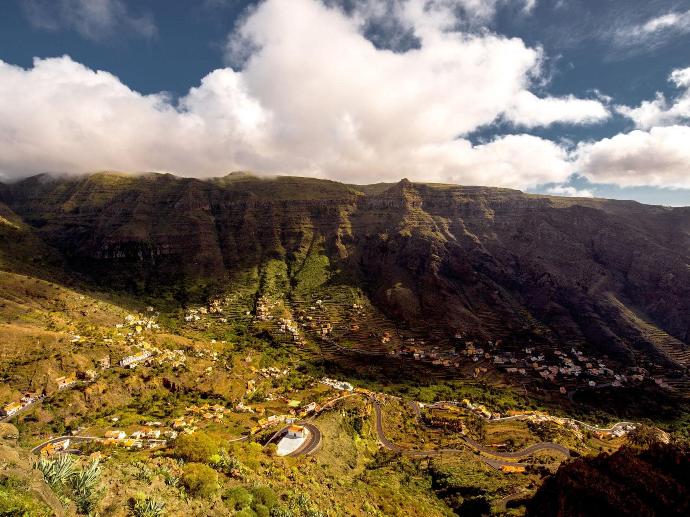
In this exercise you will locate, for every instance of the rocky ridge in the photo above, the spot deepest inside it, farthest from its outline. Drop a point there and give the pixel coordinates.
(492, 263)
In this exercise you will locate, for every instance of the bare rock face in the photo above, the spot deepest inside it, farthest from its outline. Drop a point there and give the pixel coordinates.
(494, 263)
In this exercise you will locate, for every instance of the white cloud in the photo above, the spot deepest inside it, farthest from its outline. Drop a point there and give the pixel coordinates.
(657, 157)
(675, 21)
(681, 77)
(653, 32)
(569, 191)
(660, 111)
(656, 154)
(314, 97)
(515, 161)
(531, 111)
(93, 19)
(444, 14)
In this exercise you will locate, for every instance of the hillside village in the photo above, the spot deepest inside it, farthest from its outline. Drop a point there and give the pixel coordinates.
(211, 376)
(136, 333)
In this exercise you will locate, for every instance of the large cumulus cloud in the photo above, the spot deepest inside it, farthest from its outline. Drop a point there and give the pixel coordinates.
(313, 96)
(656, 153)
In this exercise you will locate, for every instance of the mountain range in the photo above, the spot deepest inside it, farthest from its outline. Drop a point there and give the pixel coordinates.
(485, 263)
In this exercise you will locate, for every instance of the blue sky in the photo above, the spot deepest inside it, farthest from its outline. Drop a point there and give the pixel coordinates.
(572, 97)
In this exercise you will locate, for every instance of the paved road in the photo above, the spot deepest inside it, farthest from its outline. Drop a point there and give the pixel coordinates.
(84, 439)
(527, 416)
(502, 504)
(22, 410)
(528, 451)
(72, 439)
(310, 445)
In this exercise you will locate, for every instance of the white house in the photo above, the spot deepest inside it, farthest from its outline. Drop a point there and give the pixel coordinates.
(116, 435)
(133, 360)
(295, 431)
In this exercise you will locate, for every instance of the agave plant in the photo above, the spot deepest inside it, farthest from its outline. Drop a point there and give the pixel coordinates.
(147, 507)
(85, 487)
(57, 471)
(142, 472)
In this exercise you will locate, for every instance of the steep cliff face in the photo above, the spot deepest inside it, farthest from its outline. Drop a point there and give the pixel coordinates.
(494, 263)
(627, 482)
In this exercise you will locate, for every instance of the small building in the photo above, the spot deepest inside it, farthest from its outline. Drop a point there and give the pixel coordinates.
(115, 435)
(90, 375)
(295, 431)
(11, 408)
(66, 381)
(55, 447)
(29, 398)
(132, 361)
(179, 423)
(311, 407)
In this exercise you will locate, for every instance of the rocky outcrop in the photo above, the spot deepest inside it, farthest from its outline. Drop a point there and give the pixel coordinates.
(18, 477)
(627, 482)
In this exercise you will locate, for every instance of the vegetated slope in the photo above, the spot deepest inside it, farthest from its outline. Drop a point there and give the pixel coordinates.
(21, 250)
(648, 483)
(23, 491)
(492, 263)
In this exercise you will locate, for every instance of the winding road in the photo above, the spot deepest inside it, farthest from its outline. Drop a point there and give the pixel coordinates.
(310, 445)
(495, 463)
(489, 456)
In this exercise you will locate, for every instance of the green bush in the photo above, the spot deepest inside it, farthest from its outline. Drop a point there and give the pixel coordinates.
(261, 511)
(279, 511)
(197, 447)
(201, 480)
(265, 496)
(227, 464)
(15, 500)
(238, 498)
(82, 486)
(258, 396)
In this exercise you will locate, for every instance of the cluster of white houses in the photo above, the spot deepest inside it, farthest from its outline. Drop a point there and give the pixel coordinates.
(150, 438)
(61, 383)
(557, 366)
(11, 409)
(263, 309)
(565, 367)
(139, 323)
(132, 361)
(338, 385)
(287, 325)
